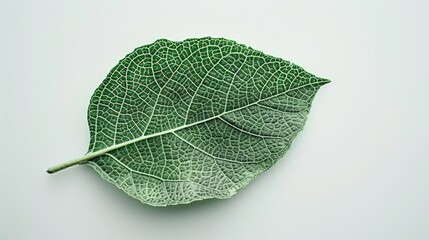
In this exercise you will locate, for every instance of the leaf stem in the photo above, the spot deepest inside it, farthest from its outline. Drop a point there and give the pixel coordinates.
(73, 162)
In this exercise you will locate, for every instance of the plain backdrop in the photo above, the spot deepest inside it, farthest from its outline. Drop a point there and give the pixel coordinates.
(359, 170)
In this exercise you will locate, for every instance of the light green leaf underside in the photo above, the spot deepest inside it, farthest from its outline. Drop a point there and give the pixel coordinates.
(195, 119)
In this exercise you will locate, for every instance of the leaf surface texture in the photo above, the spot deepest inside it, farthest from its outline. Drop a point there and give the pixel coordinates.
(195, 119)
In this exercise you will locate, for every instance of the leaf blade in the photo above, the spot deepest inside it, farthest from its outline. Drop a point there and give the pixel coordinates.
(176, 122)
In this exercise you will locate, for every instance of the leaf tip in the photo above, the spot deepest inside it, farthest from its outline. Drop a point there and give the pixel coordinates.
(323, 81)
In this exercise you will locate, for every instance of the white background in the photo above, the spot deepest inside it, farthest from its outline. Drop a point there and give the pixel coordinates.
(359, 170)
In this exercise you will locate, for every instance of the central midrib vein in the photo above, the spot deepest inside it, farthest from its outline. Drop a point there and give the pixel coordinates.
(95, 154)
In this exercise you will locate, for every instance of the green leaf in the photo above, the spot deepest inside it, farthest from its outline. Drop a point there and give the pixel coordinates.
(176, 122)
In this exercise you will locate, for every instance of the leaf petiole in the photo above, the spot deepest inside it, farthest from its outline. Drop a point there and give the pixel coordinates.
(73, 162)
